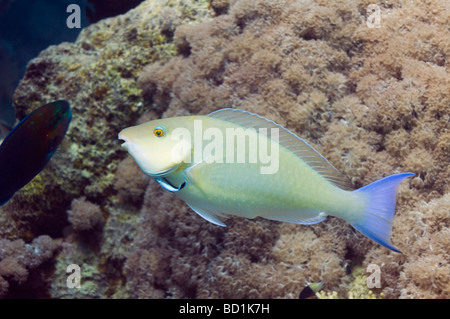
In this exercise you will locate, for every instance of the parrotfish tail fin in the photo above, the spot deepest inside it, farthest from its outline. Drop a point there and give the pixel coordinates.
(376, 221)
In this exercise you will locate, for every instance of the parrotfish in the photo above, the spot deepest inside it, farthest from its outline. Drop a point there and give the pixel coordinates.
(29, 146)
(233, 162)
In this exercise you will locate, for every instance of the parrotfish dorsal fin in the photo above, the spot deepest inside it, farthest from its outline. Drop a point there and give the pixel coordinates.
(289, 141)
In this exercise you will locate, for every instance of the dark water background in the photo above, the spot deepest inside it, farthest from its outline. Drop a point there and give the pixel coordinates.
(26, 28)
(29, 26)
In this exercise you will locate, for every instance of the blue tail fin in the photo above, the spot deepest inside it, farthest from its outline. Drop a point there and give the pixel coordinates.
(376, 221)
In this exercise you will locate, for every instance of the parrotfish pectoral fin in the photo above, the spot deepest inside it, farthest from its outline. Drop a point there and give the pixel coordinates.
(376, 221)
(208, 215)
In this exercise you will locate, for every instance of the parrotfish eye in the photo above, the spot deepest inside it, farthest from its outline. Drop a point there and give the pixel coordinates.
(159, 131)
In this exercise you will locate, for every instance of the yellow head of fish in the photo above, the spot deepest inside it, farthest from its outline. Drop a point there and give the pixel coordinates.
(156, 145)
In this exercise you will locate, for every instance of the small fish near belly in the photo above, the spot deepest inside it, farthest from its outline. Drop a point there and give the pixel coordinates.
(233, 162)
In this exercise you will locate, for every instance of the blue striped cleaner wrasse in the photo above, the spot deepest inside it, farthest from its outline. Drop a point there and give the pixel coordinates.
(233, 162)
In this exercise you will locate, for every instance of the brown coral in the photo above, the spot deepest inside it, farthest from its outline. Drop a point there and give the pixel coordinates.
(371, 100)
(130, 181)
(18, 259)
(374, 101)
(84, 215)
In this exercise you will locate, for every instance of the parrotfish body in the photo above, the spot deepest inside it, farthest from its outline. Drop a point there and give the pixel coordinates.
(30, 145)
(279, 177)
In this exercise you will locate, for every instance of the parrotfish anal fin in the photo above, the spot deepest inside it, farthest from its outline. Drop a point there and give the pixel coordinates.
(304, 217)
(208, 215)
(289, 141)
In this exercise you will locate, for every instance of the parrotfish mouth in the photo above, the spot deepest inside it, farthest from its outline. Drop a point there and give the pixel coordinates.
(124, 139)
(127, 144)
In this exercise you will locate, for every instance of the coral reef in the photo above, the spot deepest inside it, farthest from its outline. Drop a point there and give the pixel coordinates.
(97, 74)
(17, 259)
(373, 101)
(84, 215)
(130, 182)
(356, 288)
